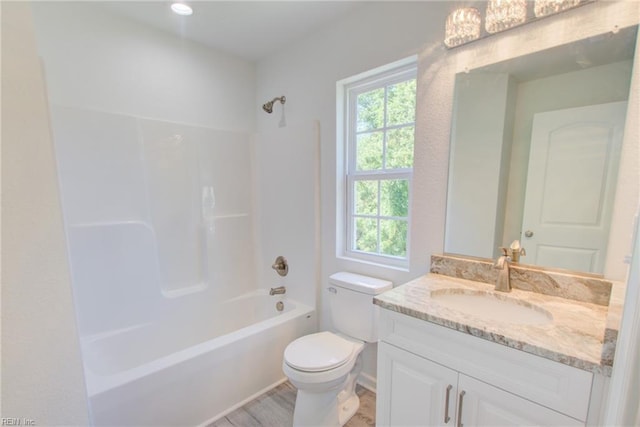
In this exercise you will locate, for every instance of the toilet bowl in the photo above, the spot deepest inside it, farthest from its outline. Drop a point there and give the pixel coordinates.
(325, 366)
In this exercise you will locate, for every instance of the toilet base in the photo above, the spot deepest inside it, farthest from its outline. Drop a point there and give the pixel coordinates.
(324, 409)
(348, 409)
(328, 408)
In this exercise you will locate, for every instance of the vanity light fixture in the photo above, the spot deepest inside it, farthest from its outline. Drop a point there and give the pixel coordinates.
(181, 9)
(549, 7)
(504, 14)
(462, 26)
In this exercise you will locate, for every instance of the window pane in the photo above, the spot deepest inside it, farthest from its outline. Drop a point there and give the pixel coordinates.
(394, 197)
(401, 103)
(366, 235)
(370, 110)
(393, 237)
(400, 148)
(369, 151)
(366, 197)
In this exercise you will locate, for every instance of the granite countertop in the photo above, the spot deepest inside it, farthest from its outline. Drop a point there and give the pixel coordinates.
(581, 334)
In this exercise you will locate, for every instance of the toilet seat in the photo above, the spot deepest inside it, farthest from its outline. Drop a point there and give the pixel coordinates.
(319, 352)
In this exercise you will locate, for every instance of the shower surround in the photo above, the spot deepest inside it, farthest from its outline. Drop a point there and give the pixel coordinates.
(162, 244)
(141, 242)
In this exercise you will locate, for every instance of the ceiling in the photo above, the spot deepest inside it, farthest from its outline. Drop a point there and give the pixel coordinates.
(251, 30)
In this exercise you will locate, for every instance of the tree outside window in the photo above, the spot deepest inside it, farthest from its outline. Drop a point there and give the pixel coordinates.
(380, 138)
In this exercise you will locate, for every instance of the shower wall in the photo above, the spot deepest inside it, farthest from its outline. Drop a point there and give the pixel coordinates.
(287, 195)
(145, 235)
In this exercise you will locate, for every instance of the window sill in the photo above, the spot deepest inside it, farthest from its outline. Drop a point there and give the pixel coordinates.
(402, 266)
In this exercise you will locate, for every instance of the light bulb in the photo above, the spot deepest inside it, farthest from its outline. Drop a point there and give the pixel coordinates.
(181, 9)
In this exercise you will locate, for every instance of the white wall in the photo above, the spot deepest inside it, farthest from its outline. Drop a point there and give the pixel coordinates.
(98, 61)
(42, 376)
(373, 35)
(622, 403)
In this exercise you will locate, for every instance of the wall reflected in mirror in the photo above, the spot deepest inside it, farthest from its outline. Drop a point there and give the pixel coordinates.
(535, 148)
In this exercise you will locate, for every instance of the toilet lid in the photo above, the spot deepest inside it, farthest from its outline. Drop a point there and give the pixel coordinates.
(318, 352)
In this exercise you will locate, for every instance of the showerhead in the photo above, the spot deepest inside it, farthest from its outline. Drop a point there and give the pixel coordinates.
(268, 106)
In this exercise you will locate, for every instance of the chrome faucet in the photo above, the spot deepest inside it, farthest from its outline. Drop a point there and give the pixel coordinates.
(278, 291)
(503, 283)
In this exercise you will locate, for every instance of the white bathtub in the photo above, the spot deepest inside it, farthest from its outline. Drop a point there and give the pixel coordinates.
(191, 369)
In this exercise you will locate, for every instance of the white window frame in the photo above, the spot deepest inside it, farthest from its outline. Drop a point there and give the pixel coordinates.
(348, 90)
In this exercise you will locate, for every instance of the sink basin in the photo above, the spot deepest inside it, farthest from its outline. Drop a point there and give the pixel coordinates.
(492, 306)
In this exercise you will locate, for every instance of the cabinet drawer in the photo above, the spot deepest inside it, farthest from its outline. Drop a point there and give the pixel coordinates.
(551, 384)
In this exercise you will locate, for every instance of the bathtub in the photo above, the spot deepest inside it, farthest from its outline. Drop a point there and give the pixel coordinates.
(193, 368)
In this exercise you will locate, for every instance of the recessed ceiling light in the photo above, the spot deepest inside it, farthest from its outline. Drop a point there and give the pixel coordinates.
(181, 9)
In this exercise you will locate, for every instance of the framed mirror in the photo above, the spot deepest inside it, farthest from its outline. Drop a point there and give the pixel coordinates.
(535, 149)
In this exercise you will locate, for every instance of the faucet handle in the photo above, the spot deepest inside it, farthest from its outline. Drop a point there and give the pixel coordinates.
(505, 251)
(281, 266)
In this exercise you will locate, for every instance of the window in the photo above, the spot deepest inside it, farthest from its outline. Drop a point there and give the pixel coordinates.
(379, 127)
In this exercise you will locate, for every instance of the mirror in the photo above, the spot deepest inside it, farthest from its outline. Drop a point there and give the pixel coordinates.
(535, 148)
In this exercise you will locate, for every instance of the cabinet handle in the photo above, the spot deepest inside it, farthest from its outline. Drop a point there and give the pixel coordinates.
(462, 393)
(446, 405)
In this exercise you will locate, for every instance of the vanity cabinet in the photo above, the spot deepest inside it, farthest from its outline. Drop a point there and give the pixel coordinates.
(429, 375)
(414, 391)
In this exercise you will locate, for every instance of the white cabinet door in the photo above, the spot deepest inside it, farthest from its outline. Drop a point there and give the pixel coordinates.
(483, 405)
(413, 391)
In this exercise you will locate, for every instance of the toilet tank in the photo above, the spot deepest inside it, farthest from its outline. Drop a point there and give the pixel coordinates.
(350, 302)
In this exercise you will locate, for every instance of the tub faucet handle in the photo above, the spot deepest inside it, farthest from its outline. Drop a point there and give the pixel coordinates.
(281, 266)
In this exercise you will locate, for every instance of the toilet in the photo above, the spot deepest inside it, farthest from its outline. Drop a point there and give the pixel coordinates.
(324, 366)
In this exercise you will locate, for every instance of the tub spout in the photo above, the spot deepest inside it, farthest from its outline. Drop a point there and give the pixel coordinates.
(278, 291)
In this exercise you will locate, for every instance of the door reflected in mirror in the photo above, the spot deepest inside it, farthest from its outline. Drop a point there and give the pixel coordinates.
(535, 148)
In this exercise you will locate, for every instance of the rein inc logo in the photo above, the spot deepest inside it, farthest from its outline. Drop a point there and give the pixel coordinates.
(15, 421)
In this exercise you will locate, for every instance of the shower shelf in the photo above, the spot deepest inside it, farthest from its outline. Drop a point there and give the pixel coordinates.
(176, 293)
(229, 216)
(110, 223)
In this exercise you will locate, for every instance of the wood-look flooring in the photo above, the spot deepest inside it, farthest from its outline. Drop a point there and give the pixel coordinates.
(275, 409)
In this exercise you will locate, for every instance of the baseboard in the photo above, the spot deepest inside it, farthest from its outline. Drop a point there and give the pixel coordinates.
(368, 382)
(241, 404)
